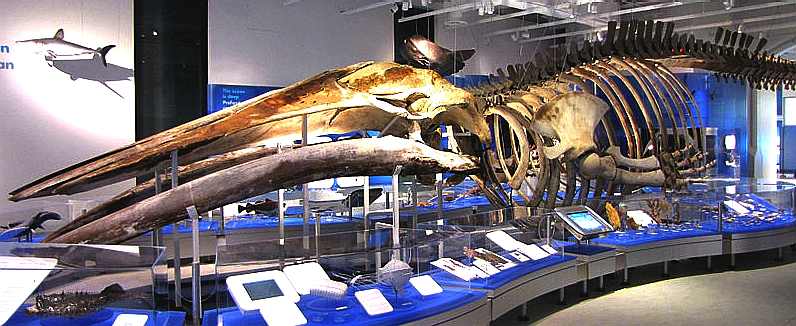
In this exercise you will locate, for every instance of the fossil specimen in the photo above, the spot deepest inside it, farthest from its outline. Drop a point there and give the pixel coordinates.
(75, 303)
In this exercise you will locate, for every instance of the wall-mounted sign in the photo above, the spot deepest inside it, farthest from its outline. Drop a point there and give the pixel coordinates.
(220, 96)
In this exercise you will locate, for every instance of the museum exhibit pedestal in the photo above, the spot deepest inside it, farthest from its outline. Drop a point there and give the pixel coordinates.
(639, 253)
(736, 243)
(518, 285)
(593, 262)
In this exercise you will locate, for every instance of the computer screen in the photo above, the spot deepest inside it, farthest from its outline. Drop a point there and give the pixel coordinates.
(262, 289)
(586, 221)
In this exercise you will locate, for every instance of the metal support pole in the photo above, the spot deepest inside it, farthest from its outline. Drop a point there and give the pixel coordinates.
(196, 274)
(547, 228)
(439, 196)
(779, 254)
(710, 263)
(602, 283)
(305, 193)
(732, 260)
(221, 229)
(366, 201)
(157, 234)
(413, 193)
(365, 219)
(720, 222)
(524, 312)
(584, 291)
(625, 277)
(280, 207)
(666, 268)
(176, 237)
(561, 296)
(396, 215)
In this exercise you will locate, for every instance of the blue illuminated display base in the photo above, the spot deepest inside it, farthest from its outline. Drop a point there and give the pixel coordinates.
(639, 237)
(773, 218)
(736, 225)
(410, 306)
(505, 276)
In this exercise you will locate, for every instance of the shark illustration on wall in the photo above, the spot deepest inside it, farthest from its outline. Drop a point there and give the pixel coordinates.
(56, 46)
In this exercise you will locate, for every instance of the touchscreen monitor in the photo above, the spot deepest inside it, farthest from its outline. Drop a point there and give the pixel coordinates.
(586, 221)
(262, 289)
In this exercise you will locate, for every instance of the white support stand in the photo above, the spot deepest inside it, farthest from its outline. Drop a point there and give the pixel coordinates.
(176, 237)
(439, 197)
(366, 202)
(196, 273)
(413, 193)
(365, 212)
(305, 199)
(438, 186)
(396, 214)
(280, 202)
(157, 234)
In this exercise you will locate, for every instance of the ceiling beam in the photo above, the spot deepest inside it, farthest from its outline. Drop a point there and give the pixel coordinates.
(735, 22)
(766, 28)
(367, 7)
(784, 46)
(463, 7)
(666, 19)
(578, 19)
(524, 6)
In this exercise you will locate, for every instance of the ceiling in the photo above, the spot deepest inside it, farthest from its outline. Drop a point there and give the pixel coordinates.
(574, 20)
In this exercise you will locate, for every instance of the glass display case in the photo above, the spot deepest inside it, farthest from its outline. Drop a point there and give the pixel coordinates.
(527, 240)
(644, 218)
(54, 284)
(347, 278)
(749, 205)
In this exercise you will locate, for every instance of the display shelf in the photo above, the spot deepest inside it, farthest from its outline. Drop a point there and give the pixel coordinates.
(252, 221)
(82, 284)
(507, 276)
(513, 286)
(352, 258)
(763, 216)
(450, 305)
(647, 236)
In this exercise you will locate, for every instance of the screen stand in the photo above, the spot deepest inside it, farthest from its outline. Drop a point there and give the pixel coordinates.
(196, 274)
(176, 237)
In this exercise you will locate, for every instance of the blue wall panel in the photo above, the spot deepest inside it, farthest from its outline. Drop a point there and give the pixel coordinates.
(220, 96)
(723, 106)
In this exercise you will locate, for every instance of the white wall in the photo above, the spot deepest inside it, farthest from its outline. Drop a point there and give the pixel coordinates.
(767, 155)
(47, 120)
(256, 42)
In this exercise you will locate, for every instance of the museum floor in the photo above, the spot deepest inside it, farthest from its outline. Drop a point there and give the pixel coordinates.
(760, 291)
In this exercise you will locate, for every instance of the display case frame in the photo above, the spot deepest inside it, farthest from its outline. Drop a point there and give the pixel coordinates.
(346, 254)
(105, 283)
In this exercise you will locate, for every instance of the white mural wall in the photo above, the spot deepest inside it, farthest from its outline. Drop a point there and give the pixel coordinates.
(58, 106)
(267, 43)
